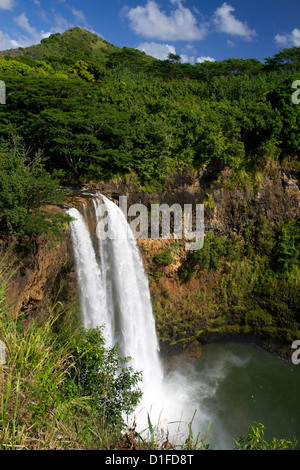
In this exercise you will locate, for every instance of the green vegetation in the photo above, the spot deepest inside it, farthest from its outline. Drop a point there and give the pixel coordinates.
(164, 258)
(25, 190)
(281, 99)
(48, 400)
(97, 111)
(255, 440)
(99, 374)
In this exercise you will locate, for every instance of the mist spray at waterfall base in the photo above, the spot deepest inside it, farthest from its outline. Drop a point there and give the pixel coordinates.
(114, 291)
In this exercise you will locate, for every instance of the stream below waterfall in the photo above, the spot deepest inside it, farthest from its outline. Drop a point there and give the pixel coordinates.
(231, 386)
(236, 384)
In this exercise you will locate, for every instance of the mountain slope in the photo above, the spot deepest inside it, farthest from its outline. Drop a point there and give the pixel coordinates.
(75, 42)
(62, 51)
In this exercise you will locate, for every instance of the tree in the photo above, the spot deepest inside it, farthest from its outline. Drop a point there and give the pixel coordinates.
(261, 127)
(81, 68)
(174, 58)
(103, 376)
(25, 189)
(228, 67)
(284, 59)
(287, 248)
(281, 99)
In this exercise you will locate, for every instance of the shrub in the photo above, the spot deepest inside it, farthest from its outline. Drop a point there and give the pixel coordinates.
(101, 375)
(255, 440)
(25, 189)
(164, 258)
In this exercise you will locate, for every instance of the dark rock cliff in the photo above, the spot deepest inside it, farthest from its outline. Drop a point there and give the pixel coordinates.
(276, 196)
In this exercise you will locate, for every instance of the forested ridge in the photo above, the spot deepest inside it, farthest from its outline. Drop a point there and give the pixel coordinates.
(94, 111)
(91, 111)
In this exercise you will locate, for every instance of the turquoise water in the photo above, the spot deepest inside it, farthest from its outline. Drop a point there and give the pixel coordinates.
(238, 384)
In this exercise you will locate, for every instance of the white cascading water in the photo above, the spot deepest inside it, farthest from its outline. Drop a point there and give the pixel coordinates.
(91, 288)
(114, 292)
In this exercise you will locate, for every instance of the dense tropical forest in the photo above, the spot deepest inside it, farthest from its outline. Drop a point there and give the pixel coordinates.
(80, 110)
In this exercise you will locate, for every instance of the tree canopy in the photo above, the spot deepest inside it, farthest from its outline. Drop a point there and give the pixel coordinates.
(95, 111)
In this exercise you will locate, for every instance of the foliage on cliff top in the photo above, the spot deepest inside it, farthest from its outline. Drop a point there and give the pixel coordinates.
(25, 190)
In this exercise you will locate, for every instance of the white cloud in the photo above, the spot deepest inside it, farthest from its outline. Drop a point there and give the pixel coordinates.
(151, 22)
(45, 35)
(205, 59)
(230, 43)
(80, 17)
(7, 4)
(225, 22)
(22, 22)
(162, 51)
(6, 42)
(61, 24)
(289, 40)
(154, 49)
(180, 23)
(185, 59)
(82, 21)
(31, 36)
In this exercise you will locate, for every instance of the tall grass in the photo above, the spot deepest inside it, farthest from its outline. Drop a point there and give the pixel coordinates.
(12, 434)
(40, 408)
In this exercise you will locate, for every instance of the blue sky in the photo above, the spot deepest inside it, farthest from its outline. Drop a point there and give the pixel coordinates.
(196, 29)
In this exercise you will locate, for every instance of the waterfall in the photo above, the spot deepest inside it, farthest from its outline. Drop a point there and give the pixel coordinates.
(114, 291)
(88, 273)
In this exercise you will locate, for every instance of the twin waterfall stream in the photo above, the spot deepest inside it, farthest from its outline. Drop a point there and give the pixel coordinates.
(114, 292)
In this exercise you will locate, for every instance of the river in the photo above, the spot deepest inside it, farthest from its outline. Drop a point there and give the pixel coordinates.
(237, 384)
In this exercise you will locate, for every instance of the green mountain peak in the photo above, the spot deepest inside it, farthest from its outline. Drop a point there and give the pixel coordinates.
(75, 42)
